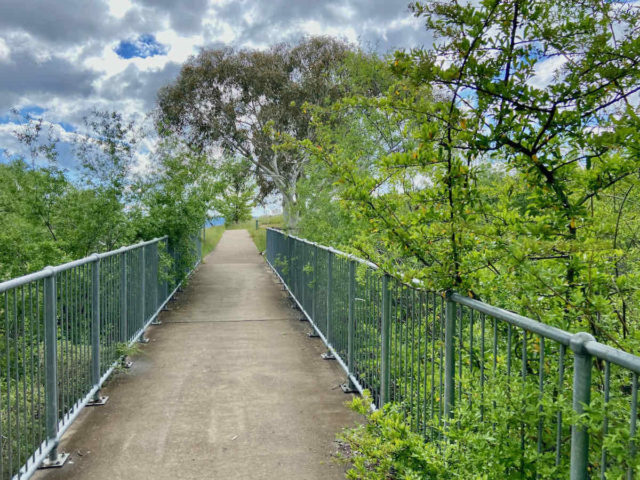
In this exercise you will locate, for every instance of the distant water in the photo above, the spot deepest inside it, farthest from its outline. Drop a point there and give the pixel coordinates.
(215, 221)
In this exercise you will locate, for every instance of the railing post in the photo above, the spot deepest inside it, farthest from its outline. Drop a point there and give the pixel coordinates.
(582, 364)
(95, 333)
(123, 297)
(315, 284)
(449, 358)
(143, 293)
(156, 268)
(156, 283)
(314, 301)
(95, 322)
(289, 261)
(166, 274)
(348, 386)
(385, 350)
(54, 459)
(328, 355)
(293, 285)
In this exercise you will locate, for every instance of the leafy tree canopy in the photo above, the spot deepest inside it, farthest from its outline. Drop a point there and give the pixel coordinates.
(247, 102)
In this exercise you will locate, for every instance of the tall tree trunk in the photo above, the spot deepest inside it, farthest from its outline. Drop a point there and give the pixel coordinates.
(287, 186)
(290, 213)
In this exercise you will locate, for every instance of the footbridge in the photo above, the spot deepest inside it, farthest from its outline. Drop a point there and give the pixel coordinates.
(227, 383)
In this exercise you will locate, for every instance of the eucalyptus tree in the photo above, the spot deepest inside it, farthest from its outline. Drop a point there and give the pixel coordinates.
(248, 103)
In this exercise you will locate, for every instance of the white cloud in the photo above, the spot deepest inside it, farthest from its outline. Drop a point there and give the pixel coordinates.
(69, 67)
(119, 8)
(546, 71)
(5, 53)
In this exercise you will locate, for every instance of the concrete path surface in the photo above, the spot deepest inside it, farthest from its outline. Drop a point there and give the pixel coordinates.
(229, 387)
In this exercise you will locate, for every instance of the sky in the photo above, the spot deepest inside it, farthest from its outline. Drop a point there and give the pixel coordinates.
(61, 59)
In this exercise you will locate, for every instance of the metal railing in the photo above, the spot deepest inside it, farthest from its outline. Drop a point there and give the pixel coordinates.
(62, 333)
(567, 401)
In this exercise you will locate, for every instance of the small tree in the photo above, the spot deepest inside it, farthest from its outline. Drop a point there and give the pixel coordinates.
(236, 190)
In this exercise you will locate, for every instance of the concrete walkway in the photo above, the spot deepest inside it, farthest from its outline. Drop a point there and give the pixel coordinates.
(229, 387)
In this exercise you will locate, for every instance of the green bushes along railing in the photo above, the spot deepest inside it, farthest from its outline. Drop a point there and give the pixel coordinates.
(559, 405)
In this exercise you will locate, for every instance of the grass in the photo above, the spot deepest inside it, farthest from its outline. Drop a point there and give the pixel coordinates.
(211, 239)
(259, 236)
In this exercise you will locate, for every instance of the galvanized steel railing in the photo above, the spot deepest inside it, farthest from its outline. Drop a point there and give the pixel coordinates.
(62, 333)
(569, 402)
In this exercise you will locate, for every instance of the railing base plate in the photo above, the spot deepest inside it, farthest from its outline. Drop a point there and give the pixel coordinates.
(348, 388)
(56, 463)
(127, 364)
(312, 334)
(98, 402)
(143, 340)
(328, 356)
(156, 322)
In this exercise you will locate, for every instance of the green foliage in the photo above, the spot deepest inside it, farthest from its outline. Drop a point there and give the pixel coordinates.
(501, 443)
(236, 191)
(107, 155)
(174, 200)
(385, 447)
(28, 221)
(253, 107)
(48, 218)
(468, 171)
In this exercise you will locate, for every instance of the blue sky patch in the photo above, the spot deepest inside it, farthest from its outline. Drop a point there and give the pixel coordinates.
(23, 114)
(67, 127)
(144, 46)
(33, 110)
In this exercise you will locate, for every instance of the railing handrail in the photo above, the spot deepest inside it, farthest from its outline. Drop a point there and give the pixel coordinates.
(328, 249)
(52, 270)
(98, 301)
(599, 350)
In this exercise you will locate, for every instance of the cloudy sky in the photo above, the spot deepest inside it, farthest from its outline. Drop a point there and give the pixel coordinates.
(60, 59)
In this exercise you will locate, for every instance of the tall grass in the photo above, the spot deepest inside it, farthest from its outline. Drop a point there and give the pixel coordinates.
(211, 239)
